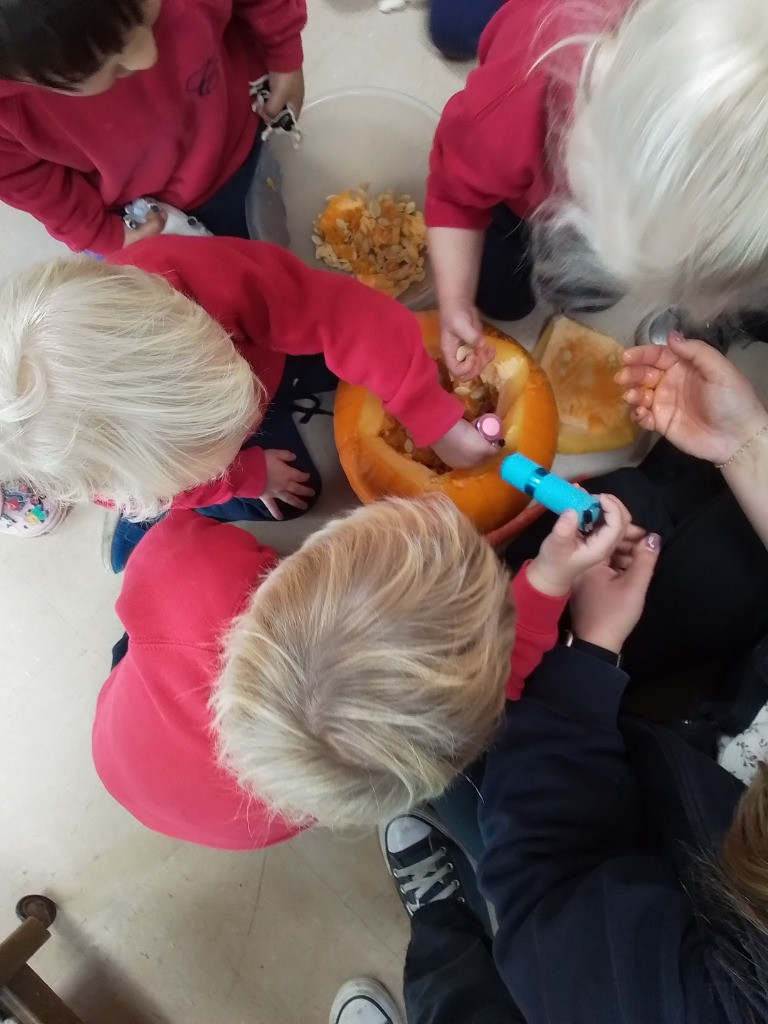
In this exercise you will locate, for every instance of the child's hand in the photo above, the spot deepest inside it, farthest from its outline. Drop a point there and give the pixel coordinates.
(286, 89)
(462, 327)
(284, 482)
(463, 446)
(566, 553)
(608, 599)
(153, 225)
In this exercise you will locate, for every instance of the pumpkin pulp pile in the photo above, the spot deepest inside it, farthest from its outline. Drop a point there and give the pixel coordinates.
(381, 241)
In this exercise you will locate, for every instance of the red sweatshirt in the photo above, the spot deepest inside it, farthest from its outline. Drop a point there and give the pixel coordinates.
(490, 144)
(178, 131)
(273, 305)
(153, 744)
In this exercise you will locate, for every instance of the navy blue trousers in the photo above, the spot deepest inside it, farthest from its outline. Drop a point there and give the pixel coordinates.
(456, 25)
(504, 288)
(450, 976)
(224, 212)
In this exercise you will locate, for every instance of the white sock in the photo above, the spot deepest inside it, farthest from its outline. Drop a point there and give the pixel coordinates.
(404, 832)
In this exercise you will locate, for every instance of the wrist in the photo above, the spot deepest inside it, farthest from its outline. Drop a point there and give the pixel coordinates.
(752, 447)
(548, 580)
(605, 654)
(601, 638)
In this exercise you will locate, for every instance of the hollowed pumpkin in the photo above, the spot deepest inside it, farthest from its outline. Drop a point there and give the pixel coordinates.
(525, 405)
(581, 363)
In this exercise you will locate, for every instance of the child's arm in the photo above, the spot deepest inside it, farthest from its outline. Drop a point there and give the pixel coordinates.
(62, 199)
(536, 629)
(542, 587)
(268, 299)
(245, 478)
(483, 155)
(277, 24)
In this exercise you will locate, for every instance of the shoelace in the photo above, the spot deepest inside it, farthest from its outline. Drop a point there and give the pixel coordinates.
(309, 406)
(424, 875)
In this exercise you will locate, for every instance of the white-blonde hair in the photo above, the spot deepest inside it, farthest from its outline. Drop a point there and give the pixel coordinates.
(665, 191)
(369, 667)
(114, 385)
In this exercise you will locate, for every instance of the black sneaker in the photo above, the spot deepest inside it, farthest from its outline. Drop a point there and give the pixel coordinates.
(427, 865)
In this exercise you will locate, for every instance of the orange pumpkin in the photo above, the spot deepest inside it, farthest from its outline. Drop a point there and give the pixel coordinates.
(525, 405)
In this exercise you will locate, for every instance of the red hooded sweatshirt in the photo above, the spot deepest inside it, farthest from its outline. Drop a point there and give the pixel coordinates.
(272, 305)
(490, 144)
(153, 741)
(178, 131)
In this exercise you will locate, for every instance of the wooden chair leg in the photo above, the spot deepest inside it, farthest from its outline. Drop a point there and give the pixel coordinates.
(20, 946)
(30, 1000)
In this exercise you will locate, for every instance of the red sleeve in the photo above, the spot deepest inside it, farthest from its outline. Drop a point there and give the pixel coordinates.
(245, 478)
(277, 24)
(62, 199)
(536, 632)
(481, 159)
(269, 299)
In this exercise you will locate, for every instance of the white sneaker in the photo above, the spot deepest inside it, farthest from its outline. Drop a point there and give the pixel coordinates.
(364, 1001)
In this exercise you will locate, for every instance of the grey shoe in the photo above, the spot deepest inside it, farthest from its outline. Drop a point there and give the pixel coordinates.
(364, 1001)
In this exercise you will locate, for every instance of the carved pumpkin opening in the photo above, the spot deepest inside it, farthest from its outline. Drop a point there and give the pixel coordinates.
(478, 396)
(374, 452)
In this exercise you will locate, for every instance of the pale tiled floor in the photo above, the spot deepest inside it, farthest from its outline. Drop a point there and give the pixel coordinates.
(151, 930)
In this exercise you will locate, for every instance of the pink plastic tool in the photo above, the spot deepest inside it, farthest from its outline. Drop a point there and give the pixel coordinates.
(491, 427)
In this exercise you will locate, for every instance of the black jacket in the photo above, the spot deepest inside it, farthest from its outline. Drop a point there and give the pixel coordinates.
(595, 828)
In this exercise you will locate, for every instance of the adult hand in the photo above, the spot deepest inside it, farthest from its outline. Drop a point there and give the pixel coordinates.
(284, 482)
(286, 89)
(461, 327)
(463, 446)
(608, 599)
(691, 394)
(567, 553)
(153, 225)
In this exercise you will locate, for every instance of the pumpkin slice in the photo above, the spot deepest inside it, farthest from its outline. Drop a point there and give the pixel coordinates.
(581, 364)
(525, 405)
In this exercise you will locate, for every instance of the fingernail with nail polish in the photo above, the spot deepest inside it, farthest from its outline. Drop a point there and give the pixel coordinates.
(653, 542)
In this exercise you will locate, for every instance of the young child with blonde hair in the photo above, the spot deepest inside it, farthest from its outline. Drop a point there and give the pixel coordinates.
(139, 382)
(251, 697)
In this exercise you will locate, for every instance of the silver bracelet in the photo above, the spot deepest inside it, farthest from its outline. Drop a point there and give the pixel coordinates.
(737, 453)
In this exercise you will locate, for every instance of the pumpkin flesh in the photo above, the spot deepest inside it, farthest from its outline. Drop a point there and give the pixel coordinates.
(581, 364)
